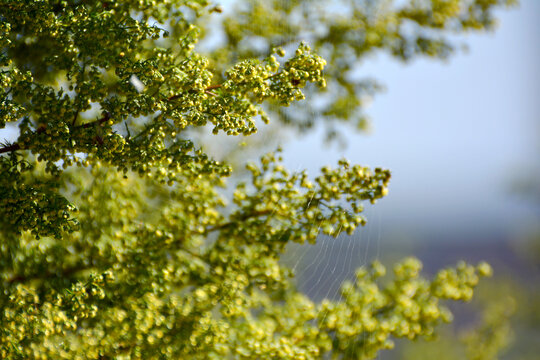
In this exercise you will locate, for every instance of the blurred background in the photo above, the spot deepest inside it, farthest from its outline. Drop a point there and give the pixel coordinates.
(462, 139)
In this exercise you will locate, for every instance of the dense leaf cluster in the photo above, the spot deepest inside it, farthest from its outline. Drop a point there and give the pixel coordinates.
(137, 252)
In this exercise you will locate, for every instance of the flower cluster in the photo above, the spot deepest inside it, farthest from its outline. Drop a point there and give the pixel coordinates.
(119, 236)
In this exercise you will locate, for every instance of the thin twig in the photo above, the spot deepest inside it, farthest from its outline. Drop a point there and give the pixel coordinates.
(235, 222)
(106, 117)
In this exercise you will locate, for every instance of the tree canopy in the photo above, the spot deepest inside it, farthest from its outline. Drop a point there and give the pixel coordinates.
(121, 238)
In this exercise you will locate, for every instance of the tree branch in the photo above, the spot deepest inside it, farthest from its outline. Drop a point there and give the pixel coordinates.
(65, 273)
(16, 146)
(236, 221)
(41, 129)
(10, 148)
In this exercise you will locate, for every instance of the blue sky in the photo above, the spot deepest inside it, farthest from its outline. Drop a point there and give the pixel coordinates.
(456, 135)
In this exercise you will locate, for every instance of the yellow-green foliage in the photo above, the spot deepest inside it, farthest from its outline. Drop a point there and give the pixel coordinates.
(345, 32)
(136, 252)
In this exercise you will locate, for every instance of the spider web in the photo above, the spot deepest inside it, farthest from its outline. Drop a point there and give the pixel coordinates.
(321, 269)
